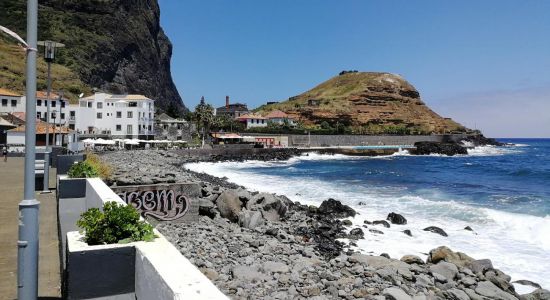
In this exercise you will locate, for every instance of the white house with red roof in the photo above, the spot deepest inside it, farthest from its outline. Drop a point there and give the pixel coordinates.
(279, 117)
(253, 120)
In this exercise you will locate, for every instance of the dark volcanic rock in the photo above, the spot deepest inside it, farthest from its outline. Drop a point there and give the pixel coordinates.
(381, 222)
(450, 149)
(407, 232)
(396, 219)
(335, 209)
(435, 229)
(356, 233)
(480, 140)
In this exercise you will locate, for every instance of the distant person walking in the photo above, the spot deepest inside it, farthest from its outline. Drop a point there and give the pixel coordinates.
(5, 152)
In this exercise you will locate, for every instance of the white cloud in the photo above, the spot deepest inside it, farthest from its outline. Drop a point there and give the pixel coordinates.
(512, 113)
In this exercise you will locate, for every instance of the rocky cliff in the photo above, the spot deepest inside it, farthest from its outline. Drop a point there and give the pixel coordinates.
(366, 102)
(113, 45)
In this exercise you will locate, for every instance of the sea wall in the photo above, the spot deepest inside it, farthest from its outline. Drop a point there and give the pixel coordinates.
(296, 140)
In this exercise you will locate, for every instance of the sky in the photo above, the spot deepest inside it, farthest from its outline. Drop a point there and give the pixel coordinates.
(486, 63)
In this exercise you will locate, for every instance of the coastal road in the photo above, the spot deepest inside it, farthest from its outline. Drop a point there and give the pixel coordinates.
(11, 193)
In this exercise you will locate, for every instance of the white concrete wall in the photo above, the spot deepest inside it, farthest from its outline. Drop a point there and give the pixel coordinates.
(161, 271)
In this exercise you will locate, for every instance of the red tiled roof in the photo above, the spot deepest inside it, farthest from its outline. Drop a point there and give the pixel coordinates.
(276, 114)
(41, 128)
(251, 116)
(44, 95)
(6, 92)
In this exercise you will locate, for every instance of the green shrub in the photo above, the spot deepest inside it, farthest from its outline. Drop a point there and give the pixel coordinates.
(83, 169)
(115, 224)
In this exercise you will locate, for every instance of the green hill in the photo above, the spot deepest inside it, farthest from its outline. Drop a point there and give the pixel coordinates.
(366, 102)
(12, 73)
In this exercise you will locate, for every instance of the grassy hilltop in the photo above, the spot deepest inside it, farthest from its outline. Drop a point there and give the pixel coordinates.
(366, 102)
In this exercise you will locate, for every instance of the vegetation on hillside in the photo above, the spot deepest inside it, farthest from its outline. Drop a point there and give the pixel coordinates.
(364, 103)
(12, 72)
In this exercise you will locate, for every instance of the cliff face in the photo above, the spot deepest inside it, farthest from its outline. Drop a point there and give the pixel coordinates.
(117, 46)
(367, 102)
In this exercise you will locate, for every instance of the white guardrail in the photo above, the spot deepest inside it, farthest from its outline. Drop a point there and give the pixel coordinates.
(161, 271)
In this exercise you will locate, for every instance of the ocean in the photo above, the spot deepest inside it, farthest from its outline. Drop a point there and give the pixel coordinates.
(503, 193)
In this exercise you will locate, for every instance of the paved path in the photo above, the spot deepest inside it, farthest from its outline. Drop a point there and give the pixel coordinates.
(11, 193)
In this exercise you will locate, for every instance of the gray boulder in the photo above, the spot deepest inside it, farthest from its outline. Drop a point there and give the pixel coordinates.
(448, 270)
(229, 205)
(273, 208)
(489, 290)
(412, 259)
(394, 293)
(456, 294)
(539, 294)
(250, 219)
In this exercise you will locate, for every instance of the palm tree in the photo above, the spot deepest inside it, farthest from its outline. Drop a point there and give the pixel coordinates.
(203, 116)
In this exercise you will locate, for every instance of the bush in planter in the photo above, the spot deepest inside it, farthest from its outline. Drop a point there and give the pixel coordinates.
(83, 169)
(104, 170)
(117, 223)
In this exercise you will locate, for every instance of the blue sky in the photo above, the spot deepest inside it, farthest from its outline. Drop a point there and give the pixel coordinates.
(486, 64)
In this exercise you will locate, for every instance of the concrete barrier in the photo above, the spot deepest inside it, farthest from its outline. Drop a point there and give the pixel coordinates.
(159, 270)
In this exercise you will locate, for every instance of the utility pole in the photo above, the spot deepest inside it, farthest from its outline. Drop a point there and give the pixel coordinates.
(49, 55)
(27, 244)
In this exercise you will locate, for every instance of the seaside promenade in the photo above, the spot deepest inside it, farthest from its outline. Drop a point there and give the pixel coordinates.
(11, 193)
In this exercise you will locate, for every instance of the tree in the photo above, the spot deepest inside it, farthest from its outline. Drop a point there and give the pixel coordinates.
(203, 116)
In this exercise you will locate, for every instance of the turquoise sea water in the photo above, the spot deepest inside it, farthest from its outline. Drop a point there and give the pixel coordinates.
(501, 192)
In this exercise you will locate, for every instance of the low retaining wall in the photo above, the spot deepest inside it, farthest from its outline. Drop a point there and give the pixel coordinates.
(296, 140)
(159, 270)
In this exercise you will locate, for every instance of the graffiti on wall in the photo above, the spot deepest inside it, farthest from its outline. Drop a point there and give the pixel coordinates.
(162, 204)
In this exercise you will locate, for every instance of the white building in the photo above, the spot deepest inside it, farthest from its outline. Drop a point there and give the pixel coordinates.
(11, 102)
(116, 116)
(253, 120)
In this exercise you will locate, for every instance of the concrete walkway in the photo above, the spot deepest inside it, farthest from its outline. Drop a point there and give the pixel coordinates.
(11, 193)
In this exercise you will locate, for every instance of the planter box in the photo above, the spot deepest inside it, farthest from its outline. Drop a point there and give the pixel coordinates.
(99, 271)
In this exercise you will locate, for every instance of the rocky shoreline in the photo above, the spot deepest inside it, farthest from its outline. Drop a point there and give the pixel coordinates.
(263, 246)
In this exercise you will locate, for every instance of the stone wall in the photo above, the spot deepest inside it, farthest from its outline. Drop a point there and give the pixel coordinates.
(295, 140)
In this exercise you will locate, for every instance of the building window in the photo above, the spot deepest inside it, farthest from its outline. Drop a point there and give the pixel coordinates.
(89, 104)
(132, 104)
(72, 113)
(129, 129)
(4, 102)
(45, 102)
(53, 103)
(150, 116)
(39, 115)
(62, 115)
(62, 104)
(71, 126)
(149, 127)
(118, 127)
(13, 103)
(99, 115)
(130, 115)
(38, 102)
(53, 116)
(100, 105)
(119, 114)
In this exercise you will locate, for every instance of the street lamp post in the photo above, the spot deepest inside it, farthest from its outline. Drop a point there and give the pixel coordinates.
(54, 112)
(49, 55)
(27, 244)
